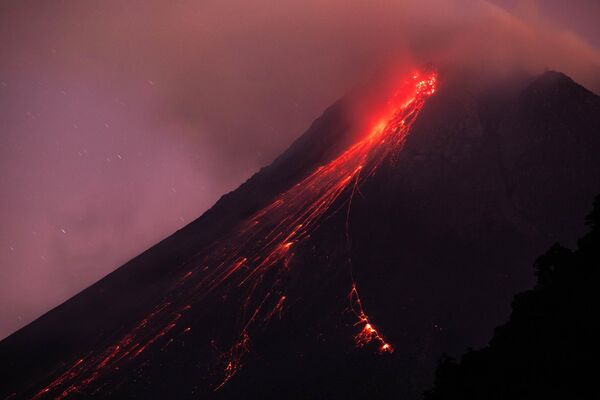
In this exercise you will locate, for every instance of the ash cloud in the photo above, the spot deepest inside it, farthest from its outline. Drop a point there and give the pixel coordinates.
(123, 121)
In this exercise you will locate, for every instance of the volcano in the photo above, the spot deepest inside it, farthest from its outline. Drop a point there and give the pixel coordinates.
(346, 267)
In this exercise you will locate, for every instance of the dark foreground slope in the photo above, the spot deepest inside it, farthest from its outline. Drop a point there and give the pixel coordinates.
(549, 347)
(439, 241)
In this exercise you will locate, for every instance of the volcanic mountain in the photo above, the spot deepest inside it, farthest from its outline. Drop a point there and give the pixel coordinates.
(346, 267)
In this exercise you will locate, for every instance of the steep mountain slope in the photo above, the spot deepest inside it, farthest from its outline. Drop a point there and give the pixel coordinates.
(436, 241)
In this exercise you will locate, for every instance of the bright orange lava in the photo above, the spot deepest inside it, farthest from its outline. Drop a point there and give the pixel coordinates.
(265, 241)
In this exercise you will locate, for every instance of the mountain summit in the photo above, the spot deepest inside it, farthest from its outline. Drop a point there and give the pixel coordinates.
(345, 268)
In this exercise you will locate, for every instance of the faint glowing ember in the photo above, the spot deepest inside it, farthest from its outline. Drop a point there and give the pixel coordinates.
(234, 358)
(265, 242)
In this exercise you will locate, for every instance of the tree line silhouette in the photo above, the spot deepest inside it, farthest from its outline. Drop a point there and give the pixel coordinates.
(549, 346)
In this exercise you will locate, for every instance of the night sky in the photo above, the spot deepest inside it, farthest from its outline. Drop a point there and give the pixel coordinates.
(121, 122)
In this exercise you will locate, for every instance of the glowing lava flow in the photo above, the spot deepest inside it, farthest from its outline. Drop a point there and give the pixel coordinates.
(264, 243)
(368, 333)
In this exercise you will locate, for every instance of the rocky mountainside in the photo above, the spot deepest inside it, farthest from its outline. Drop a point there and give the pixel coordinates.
(429, 252)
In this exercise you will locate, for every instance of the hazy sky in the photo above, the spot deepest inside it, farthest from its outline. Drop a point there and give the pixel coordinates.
(121, 121)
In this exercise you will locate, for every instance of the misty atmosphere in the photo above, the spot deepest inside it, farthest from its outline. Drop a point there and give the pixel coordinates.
(344, 198)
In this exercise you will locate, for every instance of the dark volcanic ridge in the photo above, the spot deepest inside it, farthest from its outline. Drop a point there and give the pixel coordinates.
(437, 240)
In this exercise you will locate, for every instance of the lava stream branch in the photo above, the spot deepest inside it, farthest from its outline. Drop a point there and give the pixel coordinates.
(368, 333)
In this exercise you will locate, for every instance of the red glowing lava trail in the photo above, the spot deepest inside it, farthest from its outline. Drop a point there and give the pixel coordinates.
(263, 244)
(368, 333)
